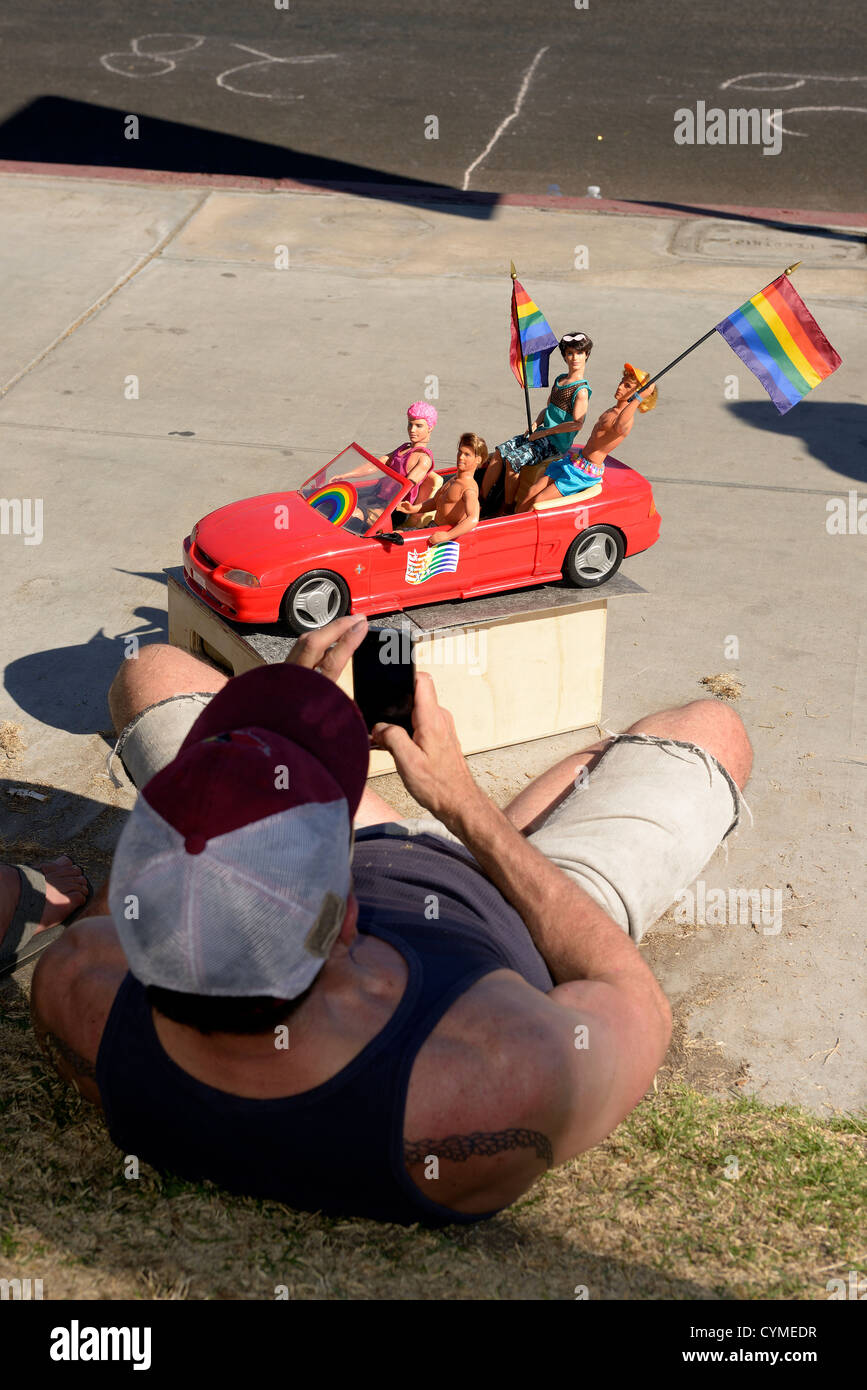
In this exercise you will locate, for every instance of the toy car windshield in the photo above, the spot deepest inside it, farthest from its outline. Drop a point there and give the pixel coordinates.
(353, 491)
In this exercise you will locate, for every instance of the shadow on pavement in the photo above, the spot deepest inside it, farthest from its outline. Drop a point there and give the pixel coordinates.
(56, 130)
(62, 822)
(834, 433)
(829, 233)
(66, 687)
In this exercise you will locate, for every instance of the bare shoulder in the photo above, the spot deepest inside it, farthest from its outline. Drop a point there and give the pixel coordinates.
(74, 986)
(514, 1081)
(480, 1093)
(467, 491)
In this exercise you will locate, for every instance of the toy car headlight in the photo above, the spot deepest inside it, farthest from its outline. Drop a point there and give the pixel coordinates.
(242, 577)
(194, 533)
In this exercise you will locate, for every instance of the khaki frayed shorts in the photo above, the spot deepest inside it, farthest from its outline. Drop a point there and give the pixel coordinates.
(638, 829)
(151, 740)
(634, 833)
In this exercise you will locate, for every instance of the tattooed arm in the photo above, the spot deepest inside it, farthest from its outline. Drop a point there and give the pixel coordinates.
(479, 1171)
(460, 1147)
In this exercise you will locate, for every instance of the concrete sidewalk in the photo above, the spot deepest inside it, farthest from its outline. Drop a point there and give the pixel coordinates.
(249, 376)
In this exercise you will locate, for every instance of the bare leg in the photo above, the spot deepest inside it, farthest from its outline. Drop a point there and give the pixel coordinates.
(492, 473)
(373, 810)
(158, 672)
(708, 723)
(543, 490)
(511, 487)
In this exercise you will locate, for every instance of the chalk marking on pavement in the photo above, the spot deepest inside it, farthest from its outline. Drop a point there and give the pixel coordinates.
(522, 92)
(802, 134)
(800, 79)
(192, 42)
(263, 60)
(98, 304)
(163, 57)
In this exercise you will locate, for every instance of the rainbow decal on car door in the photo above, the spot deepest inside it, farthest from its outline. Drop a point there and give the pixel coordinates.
(439, 559)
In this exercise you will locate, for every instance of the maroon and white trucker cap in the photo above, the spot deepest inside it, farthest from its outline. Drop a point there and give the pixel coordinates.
(232, 872)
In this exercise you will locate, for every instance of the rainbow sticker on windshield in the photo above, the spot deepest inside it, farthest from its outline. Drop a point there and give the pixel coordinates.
(425, 564)
(335, 501)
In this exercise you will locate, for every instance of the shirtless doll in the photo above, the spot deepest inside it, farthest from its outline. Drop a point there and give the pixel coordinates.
(582, 467)
(457, 502)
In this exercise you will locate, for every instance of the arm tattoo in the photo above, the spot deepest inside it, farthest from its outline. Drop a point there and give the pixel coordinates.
(460, 1147)
(57, 1051)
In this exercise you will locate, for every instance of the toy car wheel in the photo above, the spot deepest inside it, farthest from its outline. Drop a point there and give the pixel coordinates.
(594, 556)
(313, 600)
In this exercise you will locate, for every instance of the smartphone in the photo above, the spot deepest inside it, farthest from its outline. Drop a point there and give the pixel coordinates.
(383, 676)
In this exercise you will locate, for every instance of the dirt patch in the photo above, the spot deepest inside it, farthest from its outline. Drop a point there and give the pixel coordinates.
(29, 846)
(12, 744)
(698, 1061)
(725, 686)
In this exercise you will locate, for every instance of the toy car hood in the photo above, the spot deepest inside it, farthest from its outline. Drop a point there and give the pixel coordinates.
(257, 532)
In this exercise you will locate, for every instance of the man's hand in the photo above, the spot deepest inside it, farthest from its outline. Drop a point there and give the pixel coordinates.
(329, 649)
(431, 764)
(437, 536)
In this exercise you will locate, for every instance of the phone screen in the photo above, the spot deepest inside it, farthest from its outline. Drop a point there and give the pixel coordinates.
(383, 675)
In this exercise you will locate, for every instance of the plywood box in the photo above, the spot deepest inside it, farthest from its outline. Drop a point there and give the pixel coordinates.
(510, 668)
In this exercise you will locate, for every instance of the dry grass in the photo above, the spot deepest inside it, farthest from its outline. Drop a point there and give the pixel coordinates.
(11, 743)
(724, 686)
(649, 1214)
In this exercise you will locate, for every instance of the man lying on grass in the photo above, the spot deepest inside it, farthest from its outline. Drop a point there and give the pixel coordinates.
(410, 1028)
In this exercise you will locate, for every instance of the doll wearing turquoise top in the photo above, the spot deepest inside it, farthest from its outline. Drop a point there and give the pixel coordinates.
(555, 427)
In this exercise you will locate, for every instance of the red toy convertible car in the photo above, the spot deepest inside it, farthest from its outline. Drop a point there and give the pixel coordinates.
(310, 556)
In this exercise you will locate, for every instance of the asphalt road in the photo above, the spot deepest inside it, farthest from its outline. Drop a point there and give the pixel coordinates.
(345, 91)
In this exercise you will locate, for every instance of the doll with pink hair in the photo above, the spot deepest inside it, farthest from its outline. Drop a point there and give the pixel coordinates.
(413, 459)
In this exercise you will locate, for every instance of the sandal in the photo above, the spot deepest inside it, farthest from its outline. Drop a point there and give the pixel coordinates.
(25, 938)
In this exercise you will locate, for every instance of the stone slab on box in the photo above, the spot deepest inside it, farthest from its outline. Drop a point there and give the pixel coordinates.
(510, 667)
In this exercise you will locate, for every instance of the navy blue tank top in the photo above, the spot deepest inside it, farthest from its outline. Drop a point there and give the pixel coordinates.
(337, 1148)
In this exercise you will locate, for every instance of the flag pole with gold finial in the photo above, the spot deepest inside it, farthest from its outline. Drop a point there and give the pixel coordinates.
(703, 339)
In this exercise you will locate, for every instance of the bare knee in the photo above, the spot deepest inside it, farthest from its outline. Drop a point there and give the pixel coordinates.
(156, 673)
(711, 725)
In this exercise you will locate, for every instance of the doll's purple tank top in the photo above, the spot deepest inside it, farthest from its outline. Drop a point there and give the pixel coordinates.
(398, 461)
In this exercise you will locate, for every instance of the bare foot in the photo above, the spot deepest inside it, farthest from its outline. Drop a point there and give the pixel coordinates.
(65, 890)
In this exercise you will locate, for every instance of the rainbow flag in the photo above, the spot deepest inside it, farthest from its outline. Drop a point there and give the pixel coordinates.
(777, 337)
(535, 338)
(425, 564)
